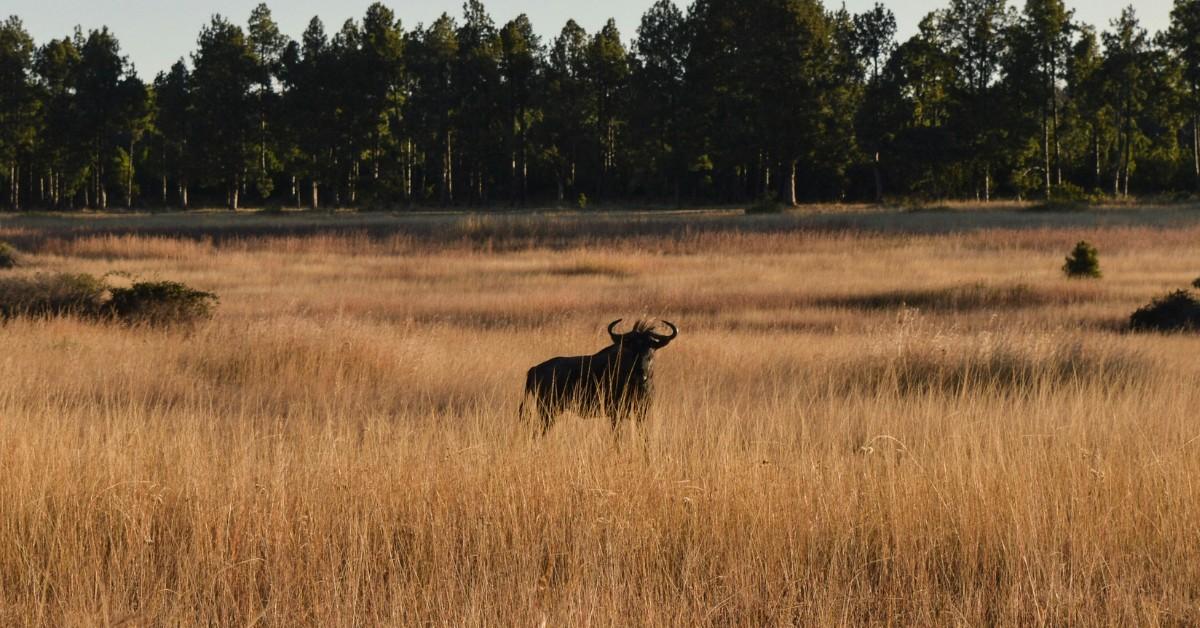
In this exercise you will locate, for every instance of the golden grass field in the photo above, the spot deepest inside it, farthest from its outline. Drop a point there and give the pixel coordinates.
(869, 418)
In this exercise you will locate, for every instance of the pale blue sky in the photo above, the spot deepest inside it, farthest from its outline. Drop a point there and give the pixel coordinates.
(154, 33)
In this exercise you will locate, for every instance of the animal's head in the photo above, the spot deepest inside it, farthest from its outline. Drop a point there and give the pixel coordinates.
(638, 345)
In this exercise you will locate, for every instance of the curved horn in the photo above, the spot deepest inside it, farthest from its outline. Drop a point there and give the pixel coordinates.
(661, 340)
(613, 334)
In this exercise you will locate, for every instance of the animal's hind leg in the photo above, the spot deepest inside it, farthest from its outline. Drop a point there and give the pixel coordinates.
(545, 416)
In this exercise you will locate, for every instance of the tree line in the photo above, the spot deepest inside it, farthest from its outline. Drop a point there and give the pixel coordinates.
(729, 101)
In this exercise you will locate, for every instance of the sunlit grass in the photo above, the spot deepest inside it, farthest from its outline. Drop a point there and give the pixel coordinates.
(908, 426)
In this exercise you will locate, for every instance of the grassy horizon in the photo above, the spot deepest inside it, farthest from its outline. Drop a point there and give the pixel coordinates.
(869, 418)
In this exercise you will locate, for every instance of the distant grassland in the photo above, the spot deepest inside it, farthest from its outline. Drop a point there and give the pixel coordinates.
(870, 417)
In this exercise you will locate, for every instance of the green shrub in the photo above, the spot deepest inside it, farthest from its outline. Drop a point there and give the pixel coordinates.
(8, 256)
(1083, 262)
(1065, 197)
(64, 294)
(160, 303)
(766, 205)
(1196, 283)
(1178, 311)
(582, 201)
(61, 294)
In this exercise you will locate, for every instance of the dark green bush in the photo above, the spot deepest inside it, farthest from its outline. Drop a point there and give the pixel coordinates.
(160, 303)
(1069, 193)
(1178, 311)
(8, 256)
(64, 294)
(1083, 262)
(766, 205)
(61, 294)
(1196, 283)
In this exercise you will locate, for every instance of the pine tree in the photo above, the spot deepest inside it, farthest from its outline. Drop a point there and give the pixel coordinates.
(874, 36)
(520, 71)
(659, 97)
(225, 119)
(18, 105)
(267, 45)
(1184, 39)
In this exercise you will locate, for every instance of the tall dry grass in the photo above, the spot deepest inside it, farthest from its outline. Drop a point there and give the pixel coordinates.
(909, 426)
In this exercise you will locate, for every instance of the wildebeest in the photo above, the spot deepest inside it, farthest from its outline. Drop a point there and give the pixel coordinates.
(616, 382)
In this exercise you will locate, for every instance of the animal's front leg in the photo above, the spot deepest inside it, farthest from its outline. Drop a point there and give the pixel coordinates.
(546, 414)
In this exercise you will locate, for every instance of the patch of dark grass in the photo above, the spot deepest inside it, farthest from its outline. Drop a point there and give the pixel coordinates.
(590, 268)
(917, 371)
(975, 296)
(765, 206)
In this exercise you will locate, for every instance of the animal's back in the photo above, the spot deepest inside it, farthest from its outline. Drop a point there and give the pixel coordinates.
(557, 369)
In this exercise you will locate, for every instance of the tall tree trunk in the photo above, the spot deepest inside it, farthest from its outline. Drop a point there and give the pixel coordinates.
(409, 159)
(314, 201)
(129, 179)
(1054, 112)
(1046, 151)
(447, 191)
(524, 174)
(878, 179)
(787, 182)
(1196, 148)
(101, 189)
(1128, 151)
(1057, 148)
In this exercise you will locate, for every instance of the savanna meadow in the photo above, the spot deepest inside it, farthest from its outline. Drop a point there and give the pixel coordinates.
(868, 417)
(744, 313)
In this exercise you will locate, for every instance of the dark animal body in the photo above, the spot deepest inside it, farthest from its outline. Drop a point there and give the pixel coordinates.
(617, 382)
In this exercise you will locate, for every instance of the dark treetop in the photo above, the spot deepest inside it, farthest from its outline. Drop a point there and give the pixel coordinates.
(728, 101)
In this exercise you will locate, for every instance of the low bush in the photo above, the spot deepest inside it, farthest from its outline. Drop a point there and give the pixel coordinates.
(1178, 311)
(160, 303)
(8, 256)
(1083, 262)
(65, 294)
(61, 294)
(766, 205)
(1196, 283)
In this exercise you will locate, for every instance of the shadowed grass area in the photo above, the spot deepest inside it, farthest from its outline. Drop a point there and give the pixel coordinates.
(691, 231)
(973, 296)
(955, 367)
